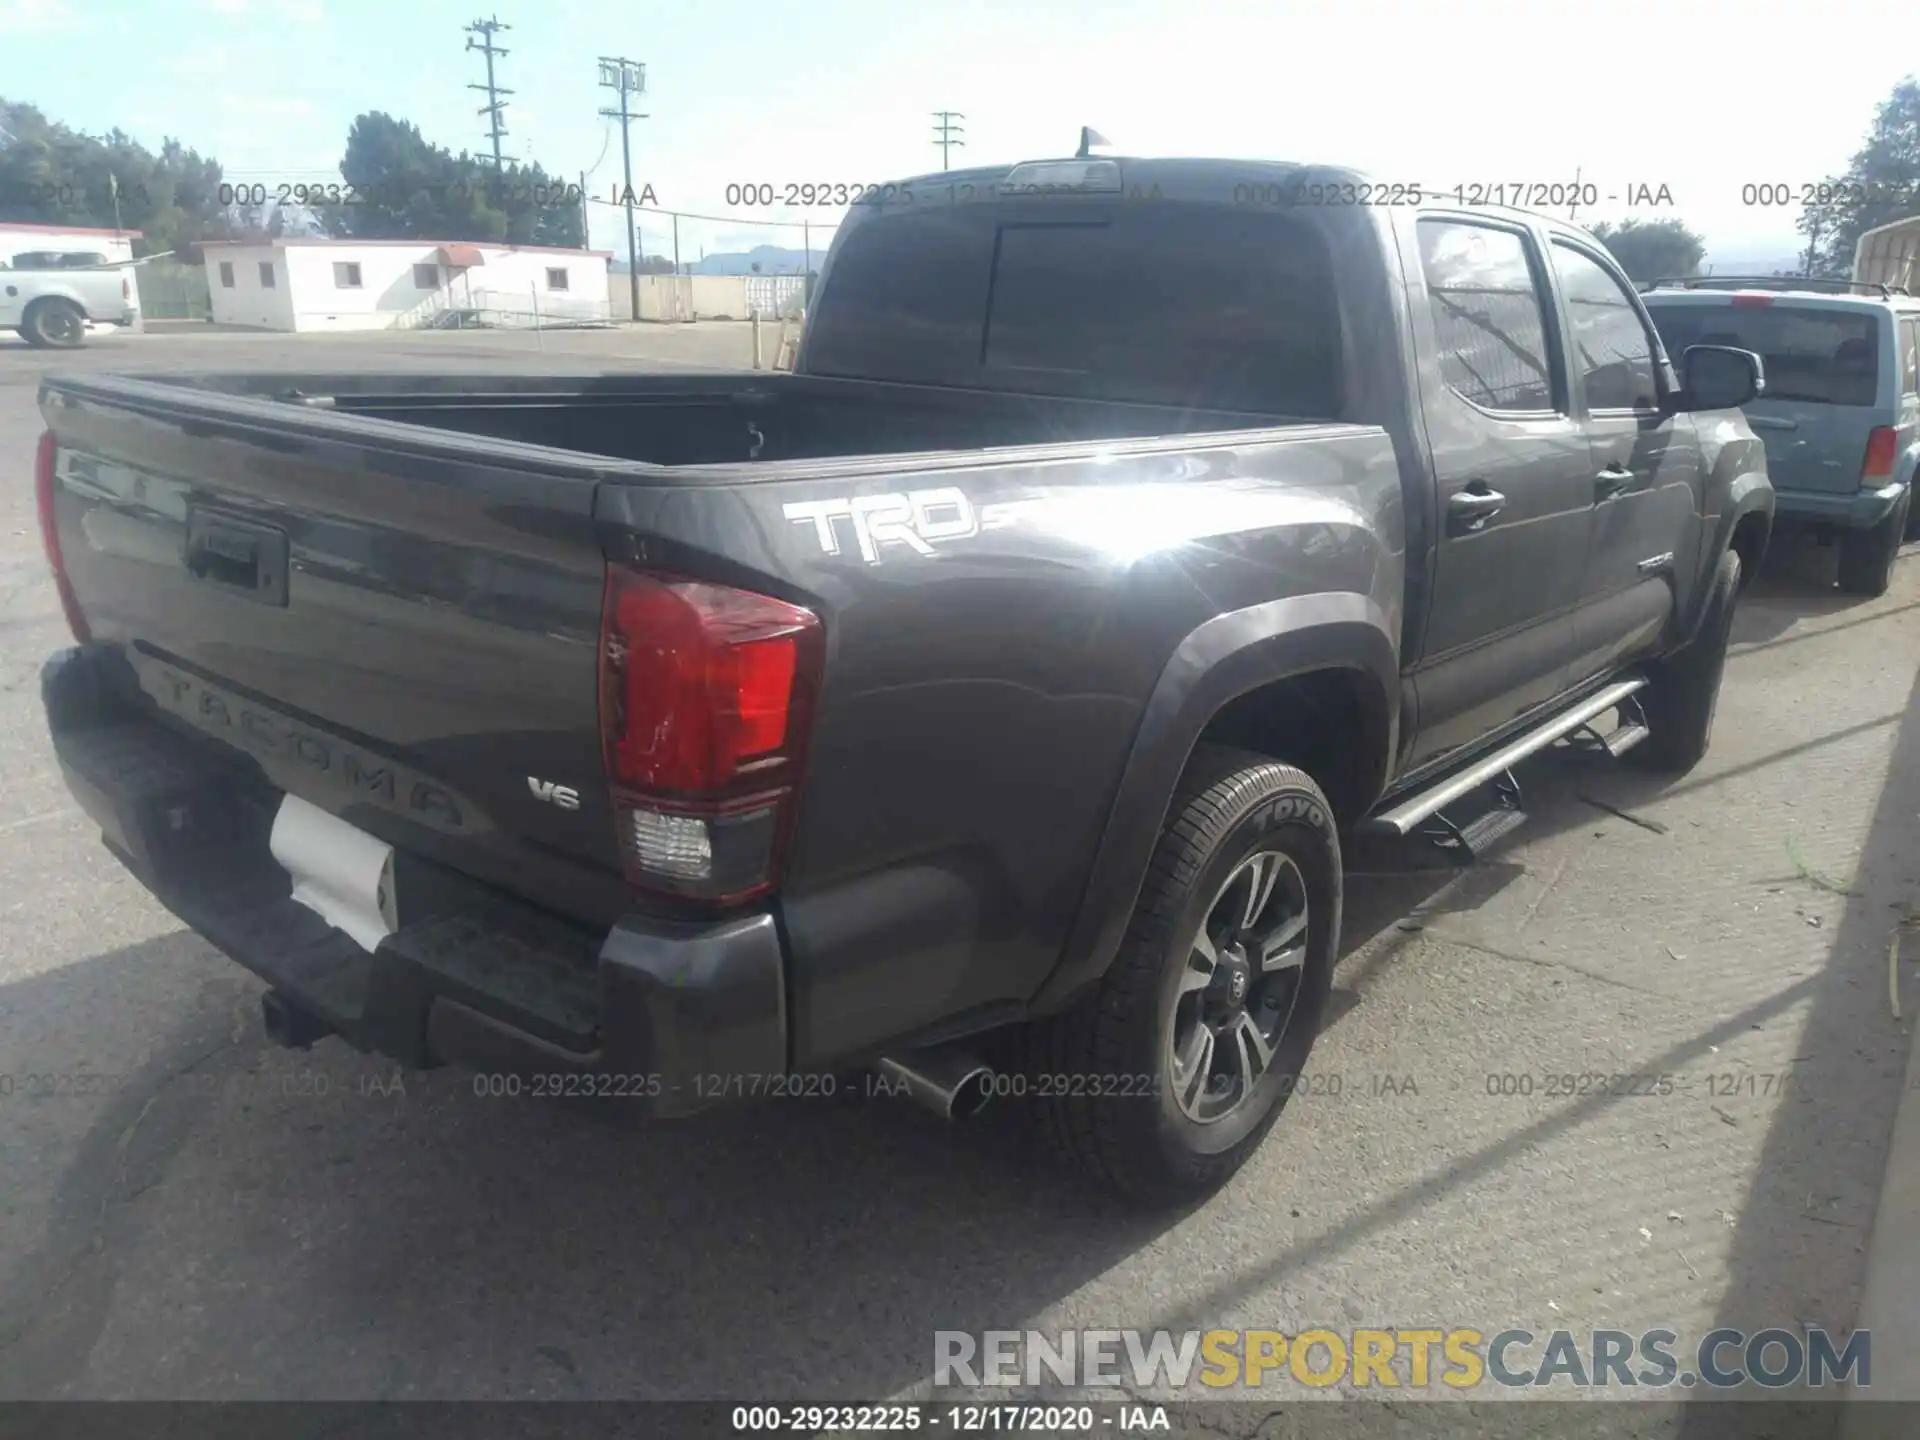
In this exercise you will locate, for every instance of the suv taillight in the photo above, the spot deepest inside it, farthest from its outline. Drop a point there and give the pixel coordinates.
(1881, 446)
(706, 699)
(43, 462)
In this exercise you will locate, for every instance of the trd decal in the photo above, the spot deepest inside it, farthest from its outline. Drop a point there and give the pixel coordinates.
(915, 519)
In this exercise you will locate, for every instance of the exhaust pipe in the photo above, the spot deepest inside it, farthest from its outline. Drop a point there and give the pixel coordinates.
(946, 1079)
(289, 1024)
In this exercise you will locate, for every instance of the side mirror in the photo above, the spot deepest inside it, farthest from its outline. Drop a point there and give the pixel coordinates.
(1719, 377)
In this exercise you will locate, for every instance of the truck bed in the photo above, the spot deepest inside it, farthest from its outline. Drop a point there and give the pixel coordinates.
(689, 420)
(388, 590)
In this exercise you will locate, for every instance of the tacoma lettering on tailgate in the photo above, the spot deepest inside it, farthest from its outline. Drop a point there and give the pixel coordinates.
(291, 752)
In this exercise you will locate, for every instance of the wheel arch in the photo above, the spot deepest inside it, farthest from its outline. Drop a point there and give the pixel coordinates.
(1745, 526)
(1316, 672)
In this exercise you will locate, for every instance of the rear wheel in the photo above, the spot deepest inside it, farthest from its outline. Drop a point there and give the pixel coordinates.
(53, 325)
(1866, 556)
(1684, 691)
(1164, 1081)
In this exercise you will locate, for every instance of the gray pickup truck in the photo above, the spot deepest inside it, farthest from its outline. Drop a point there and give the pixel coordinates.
(983, 703)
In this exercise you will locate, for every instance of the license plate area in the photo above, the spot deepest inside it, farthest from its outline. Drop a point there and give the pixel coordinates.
(340, 872)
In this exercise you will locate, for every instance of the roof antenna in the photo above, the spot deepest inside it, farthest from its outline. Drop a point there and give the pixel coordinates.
(1089, 137)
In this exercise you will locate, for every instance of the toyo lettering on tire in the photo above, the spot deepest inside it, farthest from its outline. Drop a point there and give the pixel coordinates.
(1217, 992)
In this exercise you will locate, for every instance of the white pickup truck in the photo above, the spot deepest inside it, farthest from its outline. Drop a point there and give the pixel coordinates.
(51, 305)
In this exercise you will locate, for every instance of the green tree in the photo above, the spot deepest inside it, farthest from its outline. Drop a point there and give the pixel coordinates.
(405, 187)
(1653, 249)
(51, 174)
(1881, 185)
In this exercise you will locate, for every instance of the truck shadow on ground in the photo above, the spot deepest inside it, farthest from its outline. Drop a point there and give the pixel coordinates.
(236, 1221)
(1798, 582)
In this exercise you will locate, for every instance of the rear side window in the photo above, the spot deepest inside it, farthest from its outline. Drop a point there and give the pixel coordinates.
(1611, 346)
(1910, 357)
(1813, 357)
(1225, 309)
(1186, 306)
(1487, 317)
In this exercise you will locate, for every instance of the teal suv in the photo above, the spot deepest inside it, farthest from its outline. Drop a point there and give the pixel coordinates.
(1840, 414)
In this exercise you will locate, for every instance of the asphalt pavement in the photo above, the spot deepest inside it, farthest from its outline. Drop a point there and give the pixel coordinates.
(198, 1215)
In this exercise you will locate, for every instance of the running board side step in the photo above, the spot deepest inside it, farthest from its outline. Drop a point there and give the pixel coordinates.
(1407, 816)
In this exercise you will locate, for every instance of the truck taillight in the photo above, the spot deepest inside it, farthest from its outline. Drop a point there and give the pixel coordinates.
(1882, 443)
(706, 699)
(43, 463)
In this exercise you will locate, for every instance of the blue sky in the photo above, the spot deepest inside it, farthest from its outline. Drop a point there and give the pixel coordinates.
(843, 90)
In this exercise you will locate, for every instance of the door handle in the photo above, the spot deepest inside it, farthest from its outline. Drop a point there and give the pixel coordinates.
(238, 555)
(1610, 482)
(1469, 510)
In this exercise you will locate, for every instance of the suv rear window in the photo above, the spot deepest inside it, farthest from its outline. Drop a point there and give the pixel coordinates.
(1188, 306)
(1816, 357)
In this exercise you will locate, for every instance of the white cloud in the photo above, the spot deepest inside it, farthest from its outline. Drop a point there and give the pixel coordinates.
(34, 17)
(207, 60)
(307, 12)
(228, 7)
(265, 107)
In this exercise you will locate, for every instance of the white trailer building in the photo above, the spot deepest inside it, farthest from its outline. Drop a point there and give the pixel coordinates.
(1889, 255)
(301, 284)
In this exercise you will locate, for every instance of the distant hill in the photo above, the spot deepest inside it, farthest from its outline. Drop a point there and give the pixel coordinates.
(772, 260)
(1779, 264)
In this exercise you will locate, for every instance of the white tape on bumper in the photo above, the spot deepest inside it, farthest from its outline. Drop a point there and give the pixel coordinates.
(339, 871)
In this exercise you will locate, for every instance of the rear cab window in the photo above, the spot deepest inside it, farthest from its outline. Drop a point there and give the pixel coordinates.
(1813, 355)
(1166, 303)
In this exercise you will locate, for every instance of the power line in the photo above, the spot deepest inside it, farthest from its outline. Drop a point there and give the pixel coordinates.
(495, 109)
(695, 215)
(629, 78)
(946, 133)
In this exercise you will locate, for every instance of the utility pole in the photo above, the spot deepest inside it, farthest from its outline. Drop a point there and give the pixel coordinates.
(1576, 193)
(629, 77)
(946, 133)
(495, 109)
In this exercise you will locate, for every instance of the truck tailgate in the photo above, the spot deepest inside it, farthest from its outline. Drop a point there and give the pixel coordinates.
(399, 627)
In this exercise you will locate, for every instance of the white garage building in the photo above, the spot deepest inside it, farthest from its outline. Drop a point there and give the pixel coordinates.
(298, 283)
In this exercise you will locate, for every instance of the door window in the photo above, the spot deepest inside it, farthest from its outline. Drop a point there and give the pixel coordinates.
(1611, 348)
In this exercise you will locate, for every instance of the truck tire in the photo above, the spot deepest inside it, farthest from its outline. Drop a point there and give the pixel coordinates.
(53, 325)
(1165, 1079)
(1685, 689)
(1866, 556)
